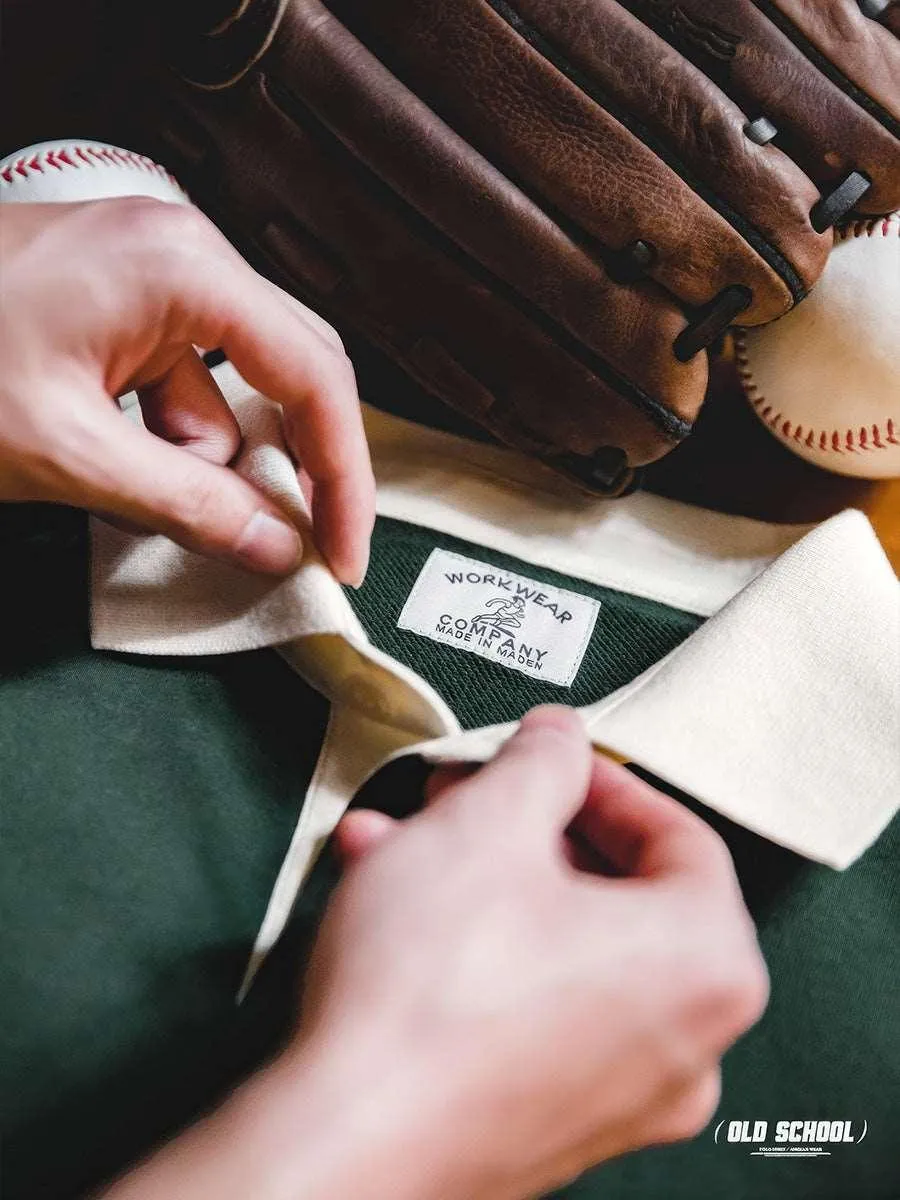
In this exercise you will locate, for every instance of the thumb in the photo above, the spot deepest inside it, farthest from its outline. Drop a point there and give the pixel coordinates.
(134, 476)
(537, 781)
(360, 832)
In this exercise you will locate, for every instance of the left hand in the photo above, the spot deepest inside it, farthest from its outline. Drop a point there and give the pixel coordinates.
(102, 297)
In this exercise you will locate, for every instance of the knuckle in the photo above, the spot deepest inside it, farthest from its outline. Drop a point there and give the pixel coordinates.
(167, 233)
(714, 876)
(749, 992)
(329, 375)
(736, 996)
(692, 1109)
(334, 340)
(147, 217)
(216, 446)
(335, 368)
(221, 446)
(711, 846)
(717, 852)
(323, 329)
(197, 504)
(720, 992)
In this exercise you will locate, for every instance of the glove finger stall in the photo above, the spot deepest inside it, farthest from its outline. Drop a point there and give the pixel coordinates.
(560, 144)
(819, 123)
(703, 132)
(865, 53)
(345, 244)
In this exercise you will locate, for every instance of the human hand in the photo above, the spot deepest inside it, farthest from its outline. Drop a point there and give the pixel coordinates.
(482, 1018)
(103, 297)
(508, 1018)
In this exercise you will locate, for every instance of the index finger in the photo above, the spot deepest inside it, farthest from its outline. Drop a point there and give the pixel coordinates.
(289, 360)
(646, 834)
(282, 350)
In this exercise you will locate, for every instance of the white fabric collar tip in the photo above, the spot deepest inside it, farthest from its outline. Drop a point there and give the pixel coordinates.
(782, 712)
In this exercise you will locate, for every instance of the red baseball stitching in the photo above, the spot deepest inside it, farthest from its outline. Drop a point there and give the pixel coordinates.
(77, 156)
(869, 227)
(851, 441)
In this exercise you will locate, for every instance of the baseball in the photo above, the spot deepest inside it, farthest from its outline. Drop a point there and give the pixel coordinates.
(71, 170)
(826, 377)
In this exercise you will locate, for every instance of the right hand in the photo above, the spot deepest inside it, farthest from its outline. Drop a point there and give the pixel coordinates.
(482, 1020)
(505, 1020)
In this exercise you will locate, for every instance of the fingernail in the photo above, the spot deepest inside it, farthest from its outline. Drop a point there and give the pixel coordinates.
(360, 577)
(557, 718)
(354, 579)
(268, 544)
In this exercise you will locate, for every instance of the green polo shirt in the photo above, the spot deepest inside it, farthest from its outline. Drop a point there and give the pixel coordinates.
(146, 805)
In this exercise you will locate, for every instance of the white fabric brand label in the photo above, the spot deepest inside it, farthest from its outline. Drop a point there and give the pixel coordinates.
(540, 630)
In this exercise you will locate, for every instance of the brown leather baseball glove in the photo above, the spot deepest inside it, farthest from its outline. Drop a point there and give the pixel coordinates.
(545, 211)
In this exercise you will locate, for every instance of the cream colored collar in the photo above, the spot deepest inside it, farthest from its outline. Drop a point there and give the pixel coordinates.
(782, 711)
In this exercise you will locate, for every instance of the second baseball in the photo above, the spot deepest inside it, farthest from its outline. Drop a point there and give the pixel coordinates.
(826, 378)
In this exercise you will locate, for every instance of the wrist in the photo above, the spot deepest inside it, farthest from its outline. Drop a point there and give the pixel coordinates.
(355, 1127)
(312, 1126)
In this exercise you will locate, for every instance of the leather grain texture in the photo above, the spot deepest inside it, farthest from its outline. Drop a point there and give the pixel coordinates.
(542, 212)
(861, 50)
(766, 72)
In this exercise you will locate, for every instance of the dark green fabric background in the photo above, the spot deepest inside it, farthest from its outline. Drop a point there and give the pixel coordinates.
(145, 807)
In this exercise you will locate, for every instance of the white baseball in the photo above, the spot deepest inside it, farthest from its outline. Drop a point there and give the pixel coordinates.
(826, 377)
(71, 170)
